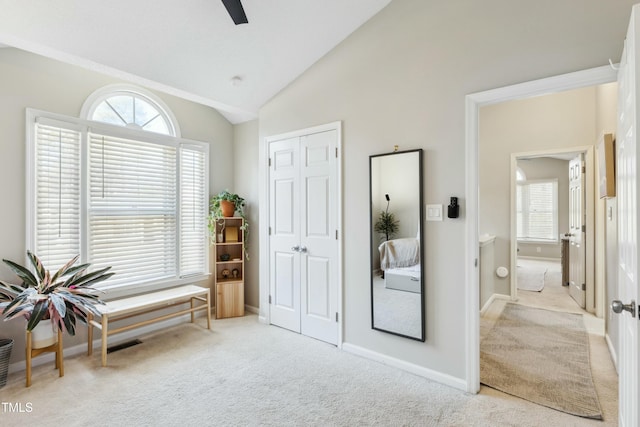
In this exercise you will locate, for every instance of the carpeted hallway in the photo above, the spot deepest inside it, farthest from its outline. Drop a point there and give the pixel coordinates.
(246, 373)
(556, 297)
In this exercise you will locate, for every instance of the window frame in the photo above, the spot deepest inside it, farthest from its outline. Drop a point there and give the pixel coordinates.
(87, 126)
(95, 99)
(525, 210)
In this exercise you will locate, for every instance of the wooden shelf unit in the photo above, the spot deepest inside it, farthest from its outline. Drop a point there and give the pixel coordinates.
(229, 274)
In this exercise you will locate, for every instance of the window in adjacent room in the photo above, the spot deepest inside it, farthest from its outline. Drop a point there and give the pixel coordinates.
(537, 210)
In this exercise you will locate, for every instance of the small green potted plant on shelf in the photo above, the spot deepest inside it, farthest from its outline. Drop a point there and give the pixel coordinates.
(59, 299)
(224, 205)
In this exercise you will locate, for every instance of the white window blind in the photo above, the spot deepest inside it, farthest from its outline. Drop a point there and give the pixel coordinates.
(135, 203)
(132, 208)
(537, 210)
(193, 210)
(57, 194)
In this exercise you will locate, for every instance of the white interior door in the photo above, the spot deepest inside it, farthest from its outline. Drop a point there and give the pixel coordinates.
(577, 252)
(303, 242)
(284, 214)
(318, 251)
(627, 196)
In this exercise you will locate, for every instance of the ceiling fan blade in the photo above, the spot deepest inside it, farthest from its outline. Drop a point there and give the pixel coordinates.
(236, 11)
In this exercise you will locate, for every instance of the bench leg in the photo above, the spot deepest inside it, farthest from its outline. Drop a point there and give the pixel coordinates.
(208, 309)
(105, 325)
(89, 334)
(193, 317)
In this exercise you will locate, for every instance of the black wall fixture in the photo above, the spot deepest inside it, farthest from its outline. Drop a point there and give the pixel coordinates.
(453, 210)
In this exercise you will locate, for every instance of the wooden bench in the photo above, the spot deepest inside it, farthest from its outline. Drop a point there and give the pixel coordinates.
(142, 304)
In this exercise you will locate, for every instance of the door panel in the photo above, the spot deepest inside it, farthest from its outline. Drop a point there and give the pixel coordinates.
(627, 196)
(283, 209)
(285, 271)
(317, 206)
(577, 252)
(318, 287)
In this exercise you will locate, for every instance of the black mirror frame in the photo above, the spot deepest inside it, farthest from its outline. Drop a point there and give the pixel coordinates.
(422, 336)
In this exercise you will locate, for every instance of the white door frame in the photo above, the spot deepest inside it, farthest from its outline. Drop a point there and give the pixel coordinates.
(473, 102)
(592, 295)
(264, 313)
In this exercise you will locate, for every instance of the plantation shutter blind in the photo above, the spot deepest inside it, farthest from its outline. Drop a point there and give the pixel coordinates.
(57, 193)
(193, 211)
(538, 210)
(542, 210)
(132, 208)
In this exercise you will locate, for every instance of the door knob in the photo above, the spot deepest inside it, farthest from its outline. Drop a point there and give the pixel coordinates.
(618, 307)
(295, 248)
(303, 249)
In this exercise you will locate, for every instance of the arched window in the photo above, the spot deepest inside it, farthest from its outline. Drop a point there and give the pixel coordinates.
(131, 107)
(131, 196)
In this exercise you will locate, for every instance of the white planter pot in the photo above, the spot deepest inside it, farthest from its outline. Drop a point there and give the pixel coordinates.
(44, 334)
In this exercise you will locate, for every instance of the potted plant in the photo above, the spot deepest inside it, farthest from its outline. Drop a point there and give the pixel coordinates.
(387, 225)
(217, 213)
(225, 204)
(62, 297)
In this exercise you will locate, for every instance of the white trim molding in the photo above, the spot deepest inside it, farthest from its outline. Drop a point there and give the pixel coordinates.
(612, 351)
(490, 301)
(406, 366)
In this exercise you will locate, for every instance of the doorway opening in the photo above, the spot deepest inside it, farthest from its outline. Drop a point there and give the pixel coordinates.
(553, 200)
(553, 240)
(474, 103)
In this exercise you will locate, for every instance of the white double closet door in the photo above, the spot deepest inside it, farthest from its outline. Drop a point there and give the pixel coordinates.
(303, 244)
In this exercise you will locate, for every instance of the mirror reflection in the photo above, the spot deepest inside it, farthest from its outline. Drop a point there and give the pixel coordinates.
(397, 277)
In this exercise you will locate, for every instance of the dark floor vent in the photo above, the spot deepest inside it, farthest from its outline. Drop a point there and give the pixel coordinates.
(123, 345)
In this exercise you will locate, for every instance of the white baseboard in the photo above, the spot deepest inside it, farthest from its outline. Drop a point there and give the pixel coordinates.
(612, 351)
(406, 366)
(251, 309)
(491, 299)
(97, 343)
(539, 258)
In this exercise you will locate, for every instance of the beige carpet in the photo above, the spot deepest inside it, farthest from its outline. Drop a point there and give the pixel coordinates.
(542, 356)
(243, 373)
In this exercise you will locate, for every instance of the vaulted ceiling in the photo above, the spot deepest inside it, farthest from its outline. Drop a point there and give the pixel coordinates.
(188, 48)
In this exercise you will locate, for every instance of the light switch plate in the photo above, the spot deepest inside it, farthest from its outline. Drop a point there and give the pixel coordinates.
(434, 212)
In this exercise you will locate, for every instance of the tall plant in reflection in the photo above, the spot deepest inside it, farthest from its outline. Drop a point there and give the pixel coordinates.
(387, 224)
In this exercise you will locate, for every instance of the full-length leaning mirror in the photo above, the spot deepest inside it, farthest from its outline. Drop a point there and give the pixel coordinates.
(397, 276)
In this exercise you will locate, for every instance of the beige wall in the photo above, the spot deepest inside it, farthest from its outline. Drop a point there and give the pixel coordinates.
(31, 81)
(402, 79)
(246, 179)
